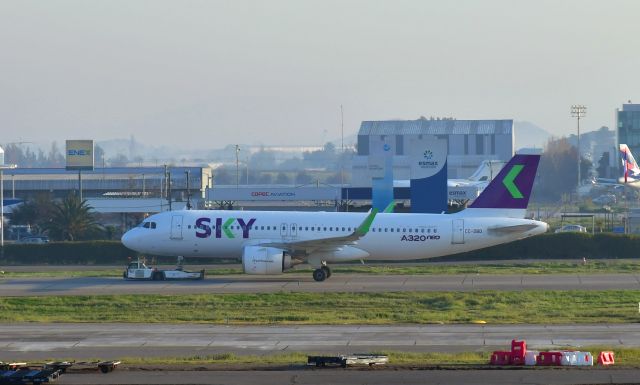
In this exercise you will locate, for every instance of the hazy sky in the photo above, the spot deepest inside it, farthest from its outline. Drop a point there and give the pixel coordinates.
(209, 73)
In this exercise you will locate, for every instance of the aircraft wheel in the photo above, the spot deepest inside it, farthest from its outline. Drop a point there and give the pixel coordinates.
(319, 275)
(327, 271)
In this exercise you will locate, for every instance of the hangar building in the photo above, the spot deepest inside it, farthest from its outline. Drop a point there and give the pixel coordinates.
(469, 143)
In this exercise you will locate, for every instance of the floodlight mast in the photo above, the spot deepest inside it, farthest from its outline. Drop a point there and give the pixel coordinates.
(578, 111)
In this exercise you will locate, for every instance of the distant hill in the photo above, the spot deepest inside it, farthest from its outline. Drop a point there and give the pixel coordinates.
(529, 135)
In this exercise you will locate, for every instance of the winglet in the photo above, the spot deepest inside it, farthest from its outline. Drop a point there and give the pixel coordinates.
(390, 207)
(364, 227)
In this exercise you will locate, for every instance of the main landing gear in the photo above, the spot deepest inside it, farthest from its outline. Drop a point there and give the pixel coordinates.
(322, 273)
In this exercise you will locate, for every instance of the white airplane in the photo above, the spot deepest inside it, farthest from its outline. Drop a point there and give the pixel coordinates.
(480, 178)
(272, 242)
(630, 176)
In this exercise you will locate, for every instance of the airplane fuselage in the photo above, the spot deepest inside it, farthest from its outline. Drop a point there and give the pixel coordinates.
(224, 234)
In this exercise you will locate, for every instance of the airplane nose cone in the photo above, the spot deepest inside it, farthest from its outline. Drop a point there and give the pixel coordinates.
(127, 240)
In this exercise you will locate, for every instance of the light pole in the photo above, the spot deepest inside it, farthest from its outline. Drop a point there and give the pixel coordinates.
(578, 111)
(237, 166)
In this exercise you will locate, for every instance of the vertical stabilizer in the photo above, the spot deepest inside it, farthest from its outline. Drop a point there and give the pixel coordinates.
(629, 164)
(511, 189)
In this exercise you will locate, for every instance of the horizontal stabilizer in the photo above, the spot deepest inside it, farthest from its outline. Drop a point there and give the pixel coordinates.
(512, 229)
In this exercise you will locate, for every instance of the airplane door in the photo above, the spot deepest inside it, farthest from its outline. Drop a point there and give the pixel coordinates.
(294, 230)
(283, 230)
(458, 231)
(176, 227)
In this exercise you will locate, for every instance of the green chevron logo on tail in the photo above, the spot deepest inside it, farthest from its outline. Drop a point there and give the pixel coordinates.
(508, 181)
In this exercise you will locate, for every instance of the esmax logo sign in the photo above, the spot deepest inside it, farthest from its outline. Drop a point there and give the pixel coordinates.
(427, 160)
(204, 228)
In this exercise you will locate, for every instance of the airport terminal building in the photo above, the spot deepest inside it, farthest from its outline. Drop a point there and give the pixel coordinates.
(469, 143)
(114, 189)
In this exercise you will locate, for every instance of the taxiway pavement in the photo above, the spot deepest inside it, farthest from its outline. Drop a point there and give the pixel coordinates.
(114, 341)
(354, 377)
(304, 283)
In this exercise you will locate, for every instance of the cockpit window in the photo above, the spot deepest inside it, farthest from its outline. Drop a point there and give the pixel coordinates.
(153, 225)
(146, 225)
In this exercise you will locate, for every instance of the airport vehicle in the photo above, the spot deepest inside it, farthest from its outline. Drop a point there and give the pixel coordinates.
(571, 229)
(138, 270)
(605, 199)
(348, 360)
(37, 239)
(272, 242)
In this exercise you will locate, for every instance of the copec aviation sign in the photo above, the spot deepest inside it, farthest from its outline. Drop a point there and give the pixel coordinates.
(257, 193)
(79, 154)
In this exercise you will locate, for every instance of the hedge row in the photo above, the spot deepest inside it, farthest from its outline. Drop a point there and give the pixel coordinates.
(78, 253)
(63, 253)
(547, 246)
(559, 246)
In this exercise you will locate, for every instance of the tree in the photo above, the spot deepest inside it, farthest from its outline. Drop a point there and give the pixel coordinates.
(73, 220)
(35, 212)
(303, 177)
(282, 178)
(557, 173)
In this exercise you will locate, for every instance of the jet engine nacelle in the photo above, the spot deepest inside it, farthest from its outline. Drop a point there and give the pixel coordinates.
(265, 260)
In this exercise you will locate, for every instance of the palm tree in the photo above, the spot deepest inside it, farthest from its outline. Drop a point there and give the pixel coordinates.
(72, 220)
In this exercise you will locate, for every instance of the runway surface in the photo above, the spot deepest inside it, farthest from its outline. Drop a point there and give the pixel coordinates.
(304, 283)
(354, 377)
(114, 341)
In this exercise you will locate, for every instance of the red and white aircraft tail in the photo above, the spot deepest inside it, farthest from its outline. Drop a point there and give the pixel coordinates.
(629, 165)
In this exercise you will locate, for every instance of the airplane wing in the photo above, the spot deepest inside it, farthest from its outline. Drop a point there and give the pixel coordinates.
(325, 244)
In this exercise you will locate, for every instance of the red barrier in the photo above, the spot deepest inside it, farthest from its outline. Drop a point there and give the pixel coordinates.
(518, 351)
(549, 359)
(606, 358)
(500, 358)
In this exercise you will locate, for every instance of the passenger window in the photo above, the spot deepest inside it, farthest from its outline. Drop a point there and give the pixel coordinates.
(392, 230)
(325, 229)
(385, 229)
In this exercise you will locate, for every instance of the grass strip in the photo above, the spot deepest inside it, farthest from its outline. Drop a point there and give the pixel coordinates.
(562, 267)
(610, 306)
